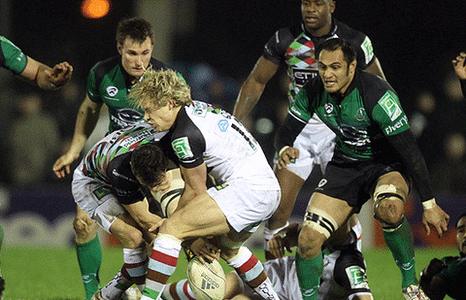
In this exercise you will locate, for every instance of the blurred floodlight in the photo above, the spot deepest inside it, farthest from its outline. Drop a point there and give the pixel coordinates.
(95, 9)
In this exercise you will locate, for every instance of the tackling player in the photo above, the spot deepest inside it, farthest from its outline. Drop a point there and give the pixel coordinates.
(374, 152)
(108, 84)
(206, 141)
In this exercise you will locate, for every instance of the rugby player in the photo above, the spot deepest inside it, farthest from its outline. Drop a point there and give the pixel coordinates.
(295, 47)
(108, 185)
(46, 78)
(374, 152)
(108, 84)
(206, 141)
(446, 276)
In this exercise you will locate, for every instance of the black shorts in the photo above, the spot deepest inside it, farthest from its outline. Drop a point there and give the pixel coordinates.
(353, 182)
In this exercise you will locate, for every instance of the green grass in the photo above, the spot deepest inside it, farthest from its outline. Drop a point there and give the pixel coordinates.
(51, 273)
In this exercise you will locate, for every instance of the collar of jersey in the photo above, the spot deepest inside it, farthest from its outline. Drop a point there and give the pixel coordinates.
(332, 32)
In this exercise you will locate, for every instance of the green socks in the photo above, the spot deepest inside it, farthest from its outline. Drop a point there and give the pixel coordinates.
(89, 259)
(400, 242)
(309, 271)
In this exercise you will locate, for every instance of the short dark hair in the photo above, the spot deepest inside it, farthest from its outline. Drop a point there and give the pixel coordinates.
(149, 164)
(136, 28)
(333, 44)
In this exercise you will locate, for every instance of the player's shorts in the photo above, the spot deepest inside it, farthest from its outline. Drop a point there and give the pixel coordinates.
(353, 182)
(243, 205)
(96, 199)
(315, 144)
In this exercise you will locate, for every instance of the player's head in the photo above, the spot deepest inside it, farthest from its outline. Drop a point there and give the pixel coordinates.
(461, 233)
(161, 94)
(135, 43)
(337, 64)
(317, 14)
(149, 165)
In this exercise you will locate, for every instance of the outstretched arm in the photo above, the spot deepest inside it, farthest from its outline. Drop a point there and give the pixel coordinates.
(45, 77)
(252, 88)
(460, 70)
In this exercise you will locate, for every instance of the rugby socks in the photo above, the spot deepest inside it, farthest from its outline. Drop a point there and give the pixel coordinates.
(132, 271)
(309, 272)
(268, 235)
(178, 291)
(252, 273)
(400, 242)
(89, 259)
(162, 264)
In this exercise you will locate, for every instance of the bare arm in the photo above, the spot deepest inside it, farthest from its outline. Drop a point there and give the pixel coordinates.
(375, 68)
(45, 77)
(140, 213)
(194, 183)
(252, 88)
(86, 121)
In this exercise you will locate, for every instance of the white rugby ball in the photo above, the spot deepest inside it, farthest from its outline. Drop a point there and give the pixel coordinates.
(207, 280)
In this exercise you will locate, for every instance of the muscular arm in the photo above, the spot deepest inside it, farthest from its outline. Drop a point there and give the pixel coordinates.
(375, 68)
(86, 121)
(195, 182)
(252, 88)
(45, 77)
(139, 211)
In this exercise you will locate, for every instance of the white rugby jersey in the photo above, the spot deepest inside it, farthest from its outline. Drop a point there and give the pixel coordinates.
(204, 134)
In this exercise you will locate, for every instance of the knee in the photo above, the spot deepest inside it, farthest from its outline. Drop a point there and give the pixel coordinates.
(310, 241)
(85, 228)
(389, 210)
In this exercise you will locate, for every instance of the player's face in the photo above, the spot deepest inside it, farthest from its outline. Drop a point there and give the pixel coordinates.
(162, 118)
(334, 71)
(135, 56)
(317, 13)
(461, 235)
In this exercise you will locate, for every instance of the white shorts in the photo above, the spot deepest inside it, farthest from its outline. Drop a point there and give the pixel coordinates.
(96, 199)
(315, 144)
(245, 206)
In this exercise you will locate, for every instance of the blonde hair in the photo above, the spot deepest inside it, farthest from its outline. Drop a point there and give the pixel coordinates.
(157, 87)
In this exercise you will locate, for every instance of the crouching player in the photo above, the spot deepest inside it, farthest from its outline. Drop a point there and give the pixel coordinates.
(105, 186)
(344, 275)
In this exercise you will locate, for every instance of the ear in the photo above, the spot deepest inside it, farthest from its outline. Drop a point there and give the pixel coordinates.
(352, 66)
(332, 6)
(119, 48)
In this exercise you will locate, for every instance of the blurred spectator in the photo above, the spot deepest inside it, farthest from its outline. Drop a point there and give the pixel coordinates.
(446, 276)
(34, 140)
(449, 174)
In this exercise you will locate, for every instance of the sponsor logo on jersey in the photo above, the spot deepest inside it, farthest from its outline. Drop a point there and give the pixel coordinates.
(112, 90)
(101, 192)
(389, 103)
(328, 108)
(223, 125)
(361, 114)
(393, 128)
(357, 277)
(367, 49)
(301, 76)
(182, 148)
(322, 182)
(127, 116)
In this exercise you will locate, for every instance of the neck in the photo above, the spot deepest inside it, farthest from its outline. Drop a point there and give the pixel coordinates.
(319, 32)
(346, 86)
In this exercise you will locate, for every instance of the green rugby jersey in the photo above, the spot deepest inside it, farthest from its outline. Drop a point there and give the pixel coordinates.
(369, 110)
(11, 57)
(109, 83)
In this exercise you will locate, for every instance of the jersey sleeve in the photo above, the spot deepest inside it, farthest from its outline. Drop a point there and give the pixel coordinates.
(92, 88)
(389, 115)
(365, 52)
(11, 57)
(274, 49)
(189, 145)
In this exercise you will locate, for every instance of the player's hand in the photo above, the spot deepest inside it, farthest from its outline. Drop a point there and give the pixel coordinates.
(62, 165)
(206, 251)
(286, 156)
(60, 74)
(459, 67)
(437, 218)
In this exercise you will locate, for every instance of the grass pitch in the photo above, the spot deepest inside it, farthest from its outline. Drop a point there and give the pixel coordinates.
(51, 273)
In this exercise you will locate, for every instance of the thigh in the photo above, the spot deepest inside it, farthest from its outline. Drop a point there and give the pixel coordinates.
(107, 212)
(335, 210)
(200, 217)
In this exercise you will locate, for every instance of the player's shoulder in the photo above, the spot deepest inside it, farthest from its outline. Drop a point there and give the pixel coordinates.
(348, 33)
(313, 86)
(104, 66)
(158, 65)
(372, 83)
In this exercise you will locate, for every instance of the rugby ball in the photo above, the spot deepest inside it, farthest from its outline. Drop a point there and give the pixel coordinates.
(207, 280)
